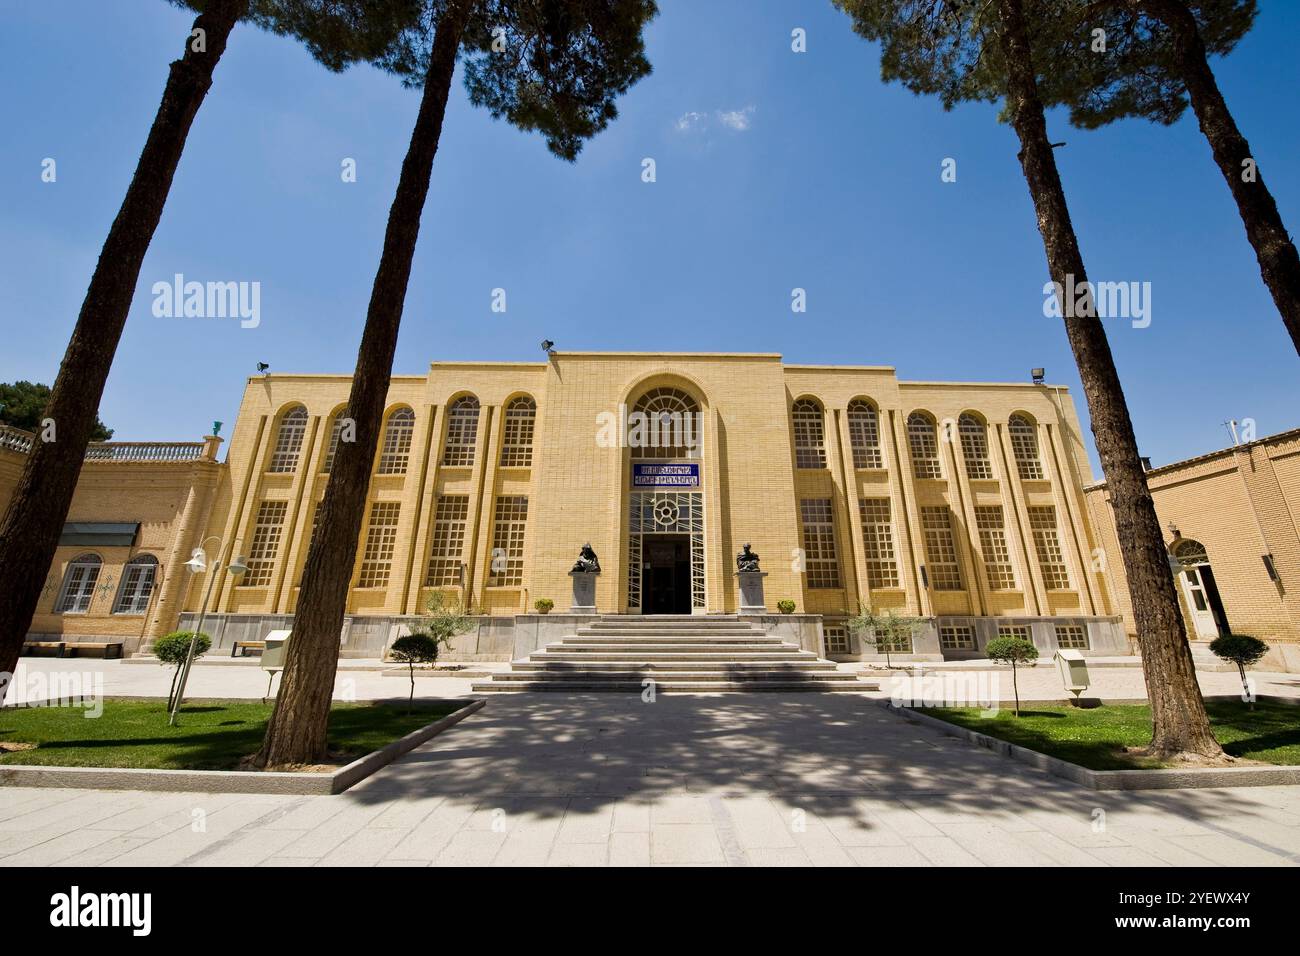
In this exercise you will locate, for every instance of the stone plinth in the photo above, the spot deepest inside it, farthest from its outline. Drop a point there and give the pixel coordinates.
(584, 592)
(751, 591)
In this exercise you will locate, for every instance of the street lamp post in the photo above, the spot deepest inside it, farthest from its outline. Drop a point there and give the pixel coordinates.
(197, 564)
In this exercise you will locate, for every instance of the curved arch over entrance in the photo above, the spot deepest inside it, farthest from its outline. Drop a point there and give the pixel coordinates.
(1201, 590)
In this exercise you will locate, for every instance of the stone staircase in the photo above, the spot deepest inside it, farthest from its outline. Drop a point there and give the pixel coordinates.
(682, 654)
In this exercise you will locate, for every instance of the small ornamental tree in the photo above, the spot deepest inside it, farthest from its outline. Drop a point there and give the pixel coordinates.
(444, 620)
(1243, 651)
(887, 633)
(1014, 651)
(411, 650)
(173, 648)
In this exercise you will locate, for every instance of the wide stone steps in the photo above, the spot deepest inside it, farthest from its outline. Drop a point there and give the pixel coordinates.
(683, 654)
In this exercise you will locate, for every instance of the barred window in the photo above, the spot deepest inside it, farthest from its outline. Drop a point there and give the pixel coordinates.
(1018, 631)
(381, 539)
(956, 637)
(267, 529)
(837, 639)
(809, 434)
(507, 567)
(396, 450)
(517, 444)
(665, 423)
(878, 542)
(449, 520)
(993, 545)
(923, 443)
(137, 585)
(1024, 445)
(288, 441)
(864, 434)
(79, 585)
(462, 432)
(1072, 637)
(975, 447)
(1047, 543)
(820, 561)
(940, 550)
(336, 430)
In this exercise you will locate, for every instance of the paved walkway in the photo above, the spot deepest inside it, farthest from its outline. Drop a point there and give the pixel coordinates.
(551, 779)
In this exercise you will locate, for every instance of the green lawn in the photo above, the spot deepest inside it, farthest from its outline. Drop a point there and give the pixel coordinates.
(211, 734)
(1093, 737)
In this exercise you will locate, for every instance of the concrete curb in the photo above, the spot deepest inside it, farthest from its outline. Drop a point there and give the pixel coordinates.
(231, 781)
(1175, 779)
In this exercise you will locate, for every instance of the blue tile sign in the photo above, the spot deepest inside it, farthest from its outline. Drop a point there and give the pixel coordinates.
(665, 476)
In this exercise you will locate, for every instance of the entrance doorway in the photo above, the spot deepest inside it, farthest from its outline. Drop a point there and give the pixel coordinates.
(1202, 592)
(666, 574)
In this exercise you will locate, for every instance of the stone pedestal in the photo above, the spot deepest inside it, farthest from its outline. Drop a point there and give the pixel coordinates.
(751, 591)
(584, 592)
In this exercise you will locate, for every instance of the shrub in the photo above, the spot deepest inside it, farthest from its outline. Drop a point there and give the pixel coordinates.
(411, 650)
(785, 606)
(888, 633)
(1243, 651)
(174, 648)
(544, 605)
(1013, 651)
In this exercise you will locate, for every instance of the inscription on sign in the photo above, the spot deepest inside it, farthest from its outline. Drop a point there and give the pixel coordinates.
(665, 476)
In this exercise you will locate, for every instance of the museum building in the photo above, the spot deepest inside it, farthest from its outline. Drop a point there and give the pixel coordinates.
(960, 503)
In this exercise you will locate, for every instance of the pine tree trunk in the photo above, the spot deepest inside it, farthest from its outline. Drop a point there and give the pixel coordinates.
(29, 533)
(1181, 726)
(299, 725)
(1279, 263)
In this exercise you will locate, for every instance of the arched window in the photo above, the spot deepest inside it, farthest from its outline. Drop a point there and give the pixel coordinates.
(809, 434)
(864, 434)
(396, 450)
(517, 443)
(974, 446)
(923, 443)
(137, 585)
(1191, 552)
(462, 432)
(336, 430)
(79, 585)
(288, 441)
(664, 423)
(1024, 445)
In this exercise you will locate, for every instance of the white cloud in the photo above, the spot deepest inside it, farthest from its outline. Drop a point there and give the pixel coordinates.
(736, 120)
(690, 121)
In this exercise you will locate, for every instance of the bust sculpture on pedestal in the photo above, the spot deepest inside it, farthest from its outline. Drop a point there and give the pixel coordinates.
(747, 560)
(587, 562)
(583, 575)
(751, 581)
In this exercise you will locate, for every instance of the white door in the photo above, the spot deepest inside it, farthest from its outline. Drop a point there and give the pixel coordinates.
(1198, 601)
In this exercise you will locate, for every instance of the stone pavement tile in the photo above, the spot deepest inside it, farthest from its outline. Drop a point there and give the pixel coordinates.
(944, 851)
(757, 823)
(675, 809)
(579, 854)
(403, 812)
(778, 856)
(1076, 826)
(632, 816)
(1161, 847)
(994, 846)
(1125, 856)
(888, 856)
(587, 820)
(176, 847)
(852, 823)
(470, 848)
(85, 809)
(528, 842)
(53, 847)
(1226, 851)
(364, 848)
(426, 841)
(245, 848)
(15, 801)
(316, 842)
(288, 861)
(685, 843)
(629, 849)
(819, 844)
(1057, 850)
(902, 819)
(401, 863)
(307, 813)
(144, 812)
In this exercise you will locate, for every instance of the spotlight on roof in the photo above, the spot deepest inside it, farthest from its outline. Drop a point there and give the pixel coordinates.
(1038, 375)
(548, 346)
(262, 367)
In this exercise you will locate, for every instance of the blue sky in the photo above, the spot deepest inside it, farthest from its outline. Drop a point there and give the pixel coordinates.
(775, 170)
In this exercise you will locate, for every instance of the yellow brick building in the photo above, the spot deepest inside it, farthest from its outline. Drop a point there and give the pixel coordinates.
(960, 503)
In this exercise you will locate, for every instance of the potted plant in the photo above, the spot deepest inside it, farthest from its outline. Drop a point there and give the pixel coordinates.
(543, 605)
(785, 606)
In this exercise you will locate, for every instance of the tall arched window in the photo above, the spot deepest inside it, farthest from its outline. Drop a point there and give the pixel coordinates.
(79, 585)
(1024, 445)
(975, 446)
(809, 434)
(664, 423)
(517, 442)
(288, 441)
(396, 450)
(864, 434)
(923, 443)
(336, 430)
(137, 585)
(462, 432)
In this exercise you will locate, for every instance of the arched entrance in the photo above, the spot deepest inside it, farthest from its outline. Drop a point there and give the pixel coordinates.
(1202, 592)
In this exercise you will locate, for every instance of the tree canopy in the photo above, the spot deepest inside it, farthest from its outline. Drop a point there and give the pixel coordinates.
(22, 405)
